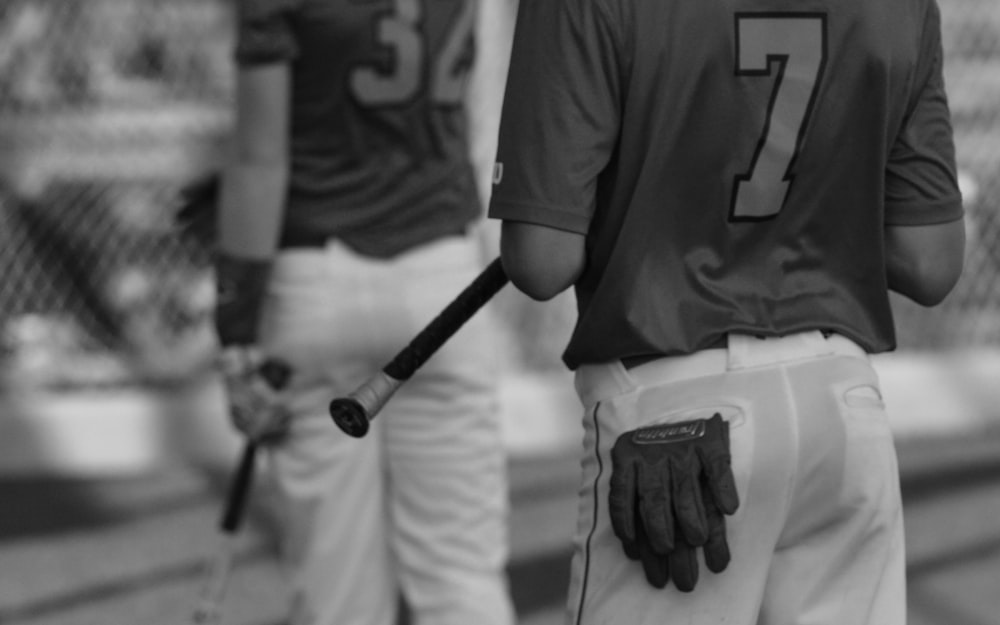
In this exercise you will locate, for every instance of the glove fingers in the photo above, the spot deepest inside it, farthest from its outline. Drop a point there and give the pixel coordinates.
(654, 565)
(722, 486)
(655, 509)
(716, 548)
(683, 566)
(631, 550)
(622, 501)
(719, 481)
(718, 467)
(688, 507)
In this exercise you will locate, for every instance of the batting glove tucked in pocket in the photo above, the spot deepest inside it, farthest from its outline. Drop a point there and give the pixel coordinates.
(253, 386)
(671, 486)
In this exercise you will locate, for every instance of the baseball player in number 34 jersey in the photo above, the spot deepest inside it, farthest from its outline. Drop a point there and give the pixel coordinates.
(348, 209)
(732, 187)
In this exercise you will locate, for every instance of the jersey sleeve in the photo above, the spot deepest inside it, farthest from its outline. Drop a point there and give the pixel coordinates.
(263, 31)
(560, 114)
(921, 179)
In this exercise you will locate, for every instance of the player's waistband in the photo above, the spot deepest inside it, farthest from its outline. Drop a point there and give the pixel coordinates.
(598, 381)
(336, 259)
(319, 240)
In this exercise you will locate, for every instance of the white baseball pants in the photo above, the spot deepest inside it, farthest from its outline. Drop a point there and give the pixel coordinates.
(419, 505)
(818, 537)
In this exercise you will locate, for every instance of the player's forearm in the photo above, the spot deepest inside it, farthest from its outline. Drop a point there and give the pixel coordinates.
(250, 216)
(256, 177)
(252, 207)
(925, 262)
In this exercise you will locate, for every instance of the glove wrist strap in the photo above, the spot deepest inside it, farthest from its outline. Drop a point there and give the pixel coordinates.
(241, 284)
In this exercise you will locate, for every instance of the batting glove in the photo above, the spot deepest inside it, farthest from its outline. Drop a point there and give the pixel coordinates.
(253, 386)
(671, 484)
(681, 564)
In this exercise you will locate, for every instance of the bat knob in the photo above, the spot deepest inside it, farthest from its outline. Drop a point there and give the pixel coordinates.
(349, 416)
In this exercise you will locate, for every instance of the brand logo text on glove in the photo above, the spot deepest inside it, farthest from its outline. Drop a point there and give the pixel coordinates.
(669, 433)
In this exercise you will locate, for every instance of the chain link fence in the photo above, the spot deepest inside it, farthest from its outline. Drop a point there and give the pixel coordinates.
(108, 107)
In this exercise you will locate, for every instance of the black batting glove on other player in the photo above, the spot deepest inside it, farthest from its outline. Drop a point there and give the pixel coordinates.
(671, 484)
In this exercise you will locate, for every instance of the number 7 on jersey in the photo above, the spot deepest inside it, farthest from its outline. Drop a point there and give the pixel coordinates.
(790, 49)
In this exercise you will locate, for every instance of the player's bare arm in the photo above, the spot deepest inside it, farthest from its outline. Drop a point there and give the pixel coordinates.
(255, 179)
(925, 262)
(539, 260)
(250, 216)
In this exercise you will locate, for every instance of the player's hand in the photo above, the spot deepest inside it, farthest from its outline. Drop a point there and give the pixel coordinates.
(253, 386)
(671, 486)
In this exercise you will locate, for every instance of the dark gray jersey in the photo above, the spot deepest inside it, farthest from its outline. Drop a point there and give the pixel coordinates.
(732, 167)
(379, 153)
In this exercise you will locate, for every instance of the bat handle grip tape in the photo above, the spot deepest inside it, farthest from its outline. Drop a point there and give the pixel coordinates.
(354, 413)
(447, 322)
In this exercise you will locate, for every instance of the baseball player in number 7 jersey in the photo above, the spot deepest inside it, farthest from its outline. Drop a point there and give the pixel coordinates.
(732, 188)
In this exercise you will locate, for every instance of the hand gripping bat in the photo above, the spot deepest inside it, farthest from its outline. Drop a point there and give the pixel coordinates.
(208, 609)
(354, 413)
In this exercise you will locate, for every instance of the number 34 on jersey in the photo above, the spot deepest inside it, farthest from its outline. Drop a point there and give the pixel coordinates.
(415, 65)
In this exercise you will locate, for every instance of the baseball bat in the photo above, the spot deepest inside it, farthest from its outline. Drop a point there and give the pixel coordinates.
(208, 609)
(353, 413)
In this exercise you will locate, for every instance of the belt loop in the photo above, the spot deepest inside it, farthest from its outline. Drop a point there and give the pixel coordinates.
(751, 351)
(818, 340)
(737, 351)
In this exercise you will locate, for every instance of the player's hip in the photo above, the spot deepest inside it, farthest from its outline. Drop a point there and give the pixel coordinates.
(342, 315)
(341, 290)
(811, 450)
(796, 405)
(787, 400)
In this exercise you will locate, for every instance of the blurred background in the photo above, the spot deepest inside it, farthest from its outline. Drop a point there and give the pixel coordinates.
(114, 447)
